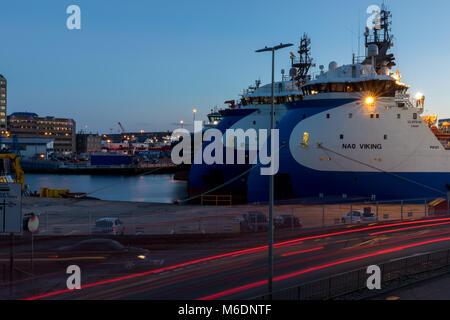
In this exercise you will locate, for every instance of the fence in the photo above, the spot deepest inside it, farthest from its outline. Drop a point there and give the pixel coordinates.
(191, 219)
(352, 285)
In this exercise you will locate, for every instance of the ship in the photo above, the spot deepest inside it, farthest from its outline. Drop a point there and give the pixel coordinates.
(358, 133)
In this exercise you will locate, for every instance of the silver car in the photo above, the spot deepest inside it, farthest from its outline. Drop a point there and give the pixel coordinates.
(109, 226)
(359, 216)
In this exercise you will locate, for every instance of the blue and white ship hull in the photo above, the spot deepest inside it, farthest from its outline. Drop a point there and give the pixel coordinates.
(385, 151)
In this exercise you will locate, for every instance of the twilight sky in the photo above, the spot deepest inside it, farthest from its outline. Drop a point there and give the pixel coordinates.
(148, 63)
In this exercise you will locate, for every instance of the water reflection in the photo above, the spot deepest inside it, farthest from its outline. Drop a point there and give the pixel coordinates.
(150, 188)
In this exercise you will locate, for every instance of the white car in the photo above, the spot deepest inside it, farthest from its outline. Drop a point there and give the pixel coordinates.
(109, 226)
(358, 216)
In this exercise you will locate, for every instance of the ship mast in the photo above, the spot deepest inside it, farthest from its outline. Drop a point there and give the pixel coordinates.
(301, 66)
(382, 38)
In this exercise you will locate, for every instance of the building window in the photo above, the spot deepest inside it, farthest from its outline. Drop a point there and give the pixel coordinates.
(328, 116)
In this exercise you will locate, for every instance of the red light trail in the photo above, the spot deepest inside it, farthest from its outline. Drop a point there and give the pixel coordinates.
(260, 283)
(234, 253)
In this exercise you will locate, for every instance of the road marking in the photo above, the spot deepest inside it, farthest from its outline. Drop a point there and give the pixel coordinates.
(411, 256)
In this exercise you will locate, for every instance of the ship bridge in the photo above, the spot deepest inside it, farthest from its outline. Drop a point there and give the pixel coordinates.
(355, 78)
(284, 91)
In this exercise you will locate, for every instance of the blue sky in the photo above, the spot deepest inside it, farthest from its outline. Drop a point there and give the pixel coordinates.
(148, 63)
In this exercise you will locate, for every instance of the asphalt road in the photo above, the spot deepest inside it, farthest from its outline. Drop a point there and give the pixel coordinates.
(238, 269)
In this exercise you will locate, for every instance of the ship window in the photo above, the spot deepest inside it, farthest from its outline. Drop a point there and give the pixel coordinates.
(328, 116)
(371, 116)
(398, 116)
(378, 116)
(342, 137)
(350, 115)
(305, 142)
(254, 122)
(304, 116)
(415, 116)
(385, 137)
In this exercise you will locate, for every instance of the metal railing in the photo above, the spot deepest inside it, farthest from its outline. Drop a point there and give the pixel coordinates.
(216, 199)
(218, 216)
(353, 285)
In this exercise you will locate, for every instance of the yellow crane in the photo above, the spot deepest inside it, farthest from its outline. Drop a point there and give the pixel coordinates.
(15, 163)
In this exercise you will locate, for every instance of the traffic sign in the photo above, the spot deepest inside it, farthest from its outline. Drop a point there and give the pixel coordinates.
(10, 208)
(33, 224)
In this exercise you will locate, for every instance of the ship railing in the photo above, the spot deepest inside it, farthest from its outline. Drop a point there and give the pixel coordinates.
(280, 87)
(406, 99)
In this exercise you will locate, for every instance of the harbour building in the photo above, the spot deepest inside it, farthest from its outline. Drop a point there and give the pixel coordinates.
(3, 99)
(30, 125)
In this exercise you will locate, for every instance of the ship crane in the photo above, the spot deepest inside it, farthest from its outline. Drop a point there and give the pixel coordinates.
(121, 128)
(127, 138)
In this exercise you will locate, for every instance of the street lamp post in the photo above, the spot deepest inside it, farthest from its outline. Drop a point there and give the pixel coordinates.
(182, 123)
(194, 111)
(271, 183)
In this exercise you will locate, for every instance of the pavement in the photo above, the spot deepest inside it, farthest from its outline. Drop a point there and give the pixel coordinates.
(434, 289)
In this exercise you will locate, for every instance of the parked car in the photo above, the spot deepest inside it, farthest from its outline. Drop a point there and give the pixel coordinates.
(254, 222)
(359, 216)
(287, 221)
(109, 226)
(104, 250)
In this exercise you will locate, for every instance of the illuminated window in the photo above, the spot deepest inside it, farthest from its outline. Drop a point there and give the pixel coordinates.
(305, 142)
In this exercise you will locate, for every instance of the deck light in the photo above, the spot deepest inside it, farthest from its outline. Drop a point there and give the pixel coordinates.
(369, 100)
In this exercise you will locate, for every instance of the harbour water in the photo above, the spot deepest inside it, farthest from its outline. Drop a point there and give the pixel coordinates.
(150, 188)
